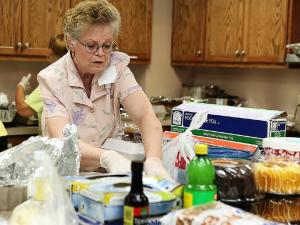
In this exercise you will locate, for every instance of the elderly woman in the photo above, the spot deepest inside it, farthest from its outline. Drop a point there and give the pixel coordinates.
(87, 85)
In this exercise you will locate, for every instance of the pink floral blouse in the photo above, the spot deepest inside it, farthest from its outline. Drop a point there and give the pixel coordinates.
(97, 117)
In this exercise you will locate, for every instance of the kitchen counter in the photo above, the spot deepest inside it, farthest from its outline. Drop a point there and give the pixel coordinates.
(22, 130)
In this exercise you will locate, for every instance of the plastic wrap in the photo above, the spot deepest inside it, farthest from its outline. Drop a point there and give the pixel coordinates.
(287, 147)
(278, 176)
(48, 202)
(16, 164)
(215, 213)
(235, 180)
(285, 210)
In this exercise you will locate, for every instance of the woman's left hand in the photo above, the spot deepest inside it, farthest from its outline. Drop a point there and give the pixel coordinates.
(154, 167)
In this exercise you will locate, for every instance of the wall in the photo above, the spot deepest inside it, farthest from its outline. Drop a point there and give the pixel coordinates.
(262, 88)
(160, 78)
(12, 72)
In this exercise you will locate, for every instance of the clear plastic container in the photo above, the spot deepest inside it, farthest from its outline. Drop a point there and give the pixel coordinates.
(278, 176)
(235, 180)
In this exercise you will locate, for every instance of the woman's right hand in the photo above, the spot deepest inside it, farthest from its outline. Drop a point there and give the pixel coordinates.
(113, 162)
(25, 82)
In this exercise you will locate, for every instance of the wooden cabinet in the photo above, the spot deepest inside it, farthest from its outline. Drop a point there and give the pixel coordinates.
(247, 31)
(136, 28)
(188, 37)
(236, 32)
(224, 27)
(27, 27)
(266, 24)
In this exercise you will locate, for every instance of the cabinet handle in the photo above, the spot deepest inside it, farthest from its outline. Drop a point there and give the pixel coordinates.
(199, 52)
(133, 57)
(26, 45)
(19, 44)
(237, 53)
(243, 53)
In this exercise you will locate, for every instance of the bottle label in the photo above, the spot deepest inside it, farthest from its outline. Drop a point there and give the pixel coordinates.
(191, 198)
(135, 215)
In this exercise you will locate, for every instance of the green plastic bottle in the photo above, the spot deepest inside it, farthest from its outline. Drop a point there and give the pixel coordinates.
(200, 186)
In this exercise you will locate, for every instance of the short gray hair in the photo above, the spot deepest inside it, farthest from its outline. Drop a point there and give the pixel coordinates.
(91, 12)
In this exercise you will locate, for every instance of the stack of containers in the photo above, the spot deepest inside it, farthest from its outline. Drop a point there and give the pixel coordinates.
(278, 175)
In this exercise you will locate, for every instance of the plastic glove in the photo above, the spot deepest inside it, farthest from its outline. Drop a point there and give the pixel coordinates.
(113, 162)
(25, 81)
(154, 167)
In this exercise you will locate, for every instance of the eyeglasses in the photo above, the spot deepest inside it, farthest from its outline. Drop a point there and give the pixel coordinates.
(107, 47)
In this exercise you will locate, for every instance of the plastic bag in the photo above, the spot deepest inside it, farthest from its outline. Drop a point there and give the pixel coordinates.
(180, 151)
(48, 202)
(216, 213)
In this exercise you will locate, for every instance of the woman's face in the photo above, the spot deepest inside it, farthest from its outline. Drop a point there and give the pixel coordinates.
(89, 56)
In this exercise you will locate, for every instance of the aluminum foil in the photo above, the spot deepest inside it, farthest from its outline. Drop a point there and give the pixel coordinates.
(17, 163)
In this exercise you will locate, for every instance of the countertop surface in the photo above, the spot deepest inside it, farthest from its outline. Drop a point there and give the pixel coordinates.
(34, 130)
(22, 130)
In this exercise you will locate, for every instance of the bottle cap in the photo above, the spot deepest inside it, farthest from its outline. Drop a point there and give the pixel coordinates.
(137, 166)
(201, 149)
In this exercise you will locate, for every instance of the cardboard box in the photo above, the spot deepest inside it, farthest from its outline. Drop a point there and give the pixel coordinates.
(102, 199)
(238, 124)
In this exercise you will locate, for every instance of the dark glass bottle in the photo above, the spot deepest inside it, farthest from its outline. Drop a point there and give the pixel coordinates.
(136, 205)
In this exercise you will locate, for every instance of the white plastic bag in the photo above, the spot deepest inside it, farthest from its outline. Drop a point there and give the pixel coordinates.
(48, 202)
(180, 151)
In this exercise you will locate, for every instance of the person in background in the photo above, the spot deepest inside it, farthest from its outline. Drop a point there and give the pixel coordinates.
(3, 137)
(87, 86)
(32, 105)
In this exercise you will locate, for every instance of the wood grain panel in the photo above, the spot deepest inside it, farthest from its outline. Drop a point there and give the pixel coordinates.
(224, 30)
(136, 28)
(188, 35)
(41, 20)
(266, 33)
(10, 17)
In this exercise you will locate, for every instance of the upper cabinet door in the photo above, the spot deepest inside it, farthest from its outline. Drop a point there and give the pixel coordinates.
(10, 20)
(188, 36)
(266, 31)
(136, 29)
(224, 30)
(41, 20)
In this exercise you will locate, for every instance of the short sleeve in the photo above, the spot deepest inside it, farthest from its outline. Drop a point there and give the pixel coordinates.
(34, 100)
(126, 84)
(52, 104)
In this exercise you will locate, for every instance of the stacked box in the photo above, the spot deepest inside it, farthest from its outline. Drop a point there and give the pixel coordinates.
(102, 199)
(238, 124)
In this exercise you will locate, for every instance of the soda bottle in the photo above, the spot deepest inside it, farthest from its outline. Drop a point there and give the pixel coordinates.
(200, 186)
(136, 205)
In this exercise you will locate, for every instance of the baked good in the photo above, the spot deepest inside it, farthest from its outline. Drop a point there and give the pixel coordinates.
(285, 210)
(235, 180)
(278, 176)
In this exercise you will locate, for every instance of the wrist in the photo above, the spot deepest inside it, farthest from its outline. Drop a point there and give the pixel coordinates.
(20, 85)
(153, 158)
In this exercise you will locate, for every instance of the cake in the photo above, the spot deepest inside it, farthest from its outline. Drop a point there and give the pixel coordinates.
(235, 180)
(278, 176)
(283, 210)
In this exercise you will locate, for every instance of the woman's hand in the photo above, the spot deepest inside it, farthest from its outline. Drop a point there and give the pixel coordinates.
(154, 167)
(113, 162)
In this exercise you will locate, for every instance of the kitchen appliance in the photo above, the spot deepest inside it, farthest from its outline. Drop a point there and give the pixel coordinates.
(196, 92)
